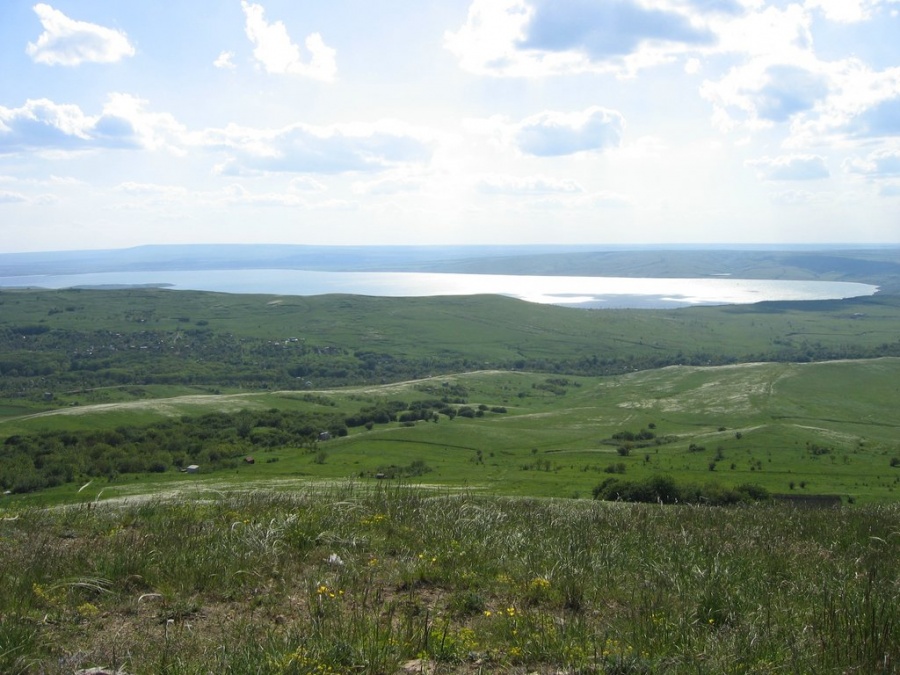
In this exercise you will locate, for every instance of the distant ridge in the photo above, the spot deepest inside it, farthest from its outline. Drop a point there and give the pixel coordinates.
(878, 265)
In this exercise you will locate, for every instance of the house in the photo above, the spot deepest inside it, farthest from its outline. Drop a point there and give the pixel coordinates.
(193, 468)
(324, 436)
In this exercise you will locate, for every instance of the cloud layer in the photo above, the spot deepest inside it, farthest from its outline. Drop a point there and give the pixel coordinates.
(410, 122)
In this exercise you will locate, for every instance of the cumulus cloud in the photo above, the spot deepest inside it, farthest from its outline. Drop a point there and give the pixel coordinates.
(601, 30)
(225, 60)
(791, 167)
(540, 37)
(67, 42)
(526, 185)
(304, 148)
(761, 94)
(881, 163)
(277, 54)
(787, 90)
(43, 124)
(551, 134)
(862, 104)
(882, 119)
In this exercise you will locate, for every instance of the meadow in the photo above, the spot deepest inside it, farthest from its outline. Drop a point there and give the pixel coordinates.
(802, 429)
(356, 578)
(447, 522)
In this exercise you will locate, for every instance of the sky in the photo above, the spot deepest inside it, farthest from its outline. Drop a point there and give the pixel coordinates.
(448, 122)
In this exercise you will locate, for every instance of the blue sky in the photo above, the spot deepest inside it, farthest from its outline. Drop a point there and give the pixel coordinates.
(448, 122)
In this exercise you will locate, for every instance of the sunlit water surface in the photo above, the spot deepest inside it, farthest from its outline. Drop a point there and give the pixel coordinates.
(558, 290)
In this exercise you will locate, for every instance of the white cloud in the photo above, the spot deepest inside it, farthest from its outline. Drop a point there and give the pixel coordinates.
(541, 37)
(8, 197)
(43, 124)
(550, 133)
(782, 80)
(498, 184)
(607, 30)
(885, 162)
(276, 52)
(881, 119)
(304, 148)
(791, 167)
(225, 60)
(763, 92)
(862, 103)
(777, 35)
(68, 42)
(486, 43)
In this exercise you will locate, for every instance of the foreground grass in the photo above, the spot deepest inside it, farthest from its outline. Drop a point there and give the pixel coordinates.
(383, 580)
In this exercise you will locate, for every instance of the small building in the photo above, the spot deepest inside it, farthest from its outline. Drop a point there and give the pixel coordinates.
(324, 436)
(193, 468)
(249, 460)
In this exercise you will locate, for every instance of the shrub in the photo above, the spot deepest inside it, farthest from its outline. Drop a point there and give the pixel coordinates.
(665, 490)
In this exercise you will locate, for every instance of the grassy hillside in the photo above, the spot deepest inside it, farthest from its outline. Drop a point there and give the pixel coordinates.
(349, 579)
(91, 346)
(803, 429)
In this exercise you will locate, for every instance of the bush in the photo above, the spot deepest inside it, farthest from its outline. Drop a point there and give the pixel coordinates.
(664, 490)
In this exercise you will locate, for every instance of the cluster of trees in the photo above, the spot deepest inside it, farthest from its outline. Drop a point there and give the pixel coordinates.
(215, 440)
(665, 490)
(399, 411)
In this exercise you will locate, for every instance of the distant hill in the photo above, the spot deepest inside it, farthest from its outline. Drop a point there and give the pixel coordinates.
(874, 265)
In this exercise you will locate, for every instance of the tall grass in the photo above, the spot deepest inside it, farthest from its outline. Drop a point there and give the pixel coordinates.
(366, 580)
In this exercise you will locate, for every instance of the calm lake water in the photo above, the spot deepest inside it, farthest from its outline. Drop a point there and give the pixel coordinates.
(572, 291)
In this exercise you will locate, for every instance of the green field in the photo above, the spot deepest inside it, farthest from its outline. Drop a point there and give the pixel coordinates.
(818, 428)
(798, 398)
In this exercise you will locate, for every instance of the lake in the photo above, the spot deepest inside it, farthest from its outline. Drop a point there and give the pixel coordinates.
(585, 292)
